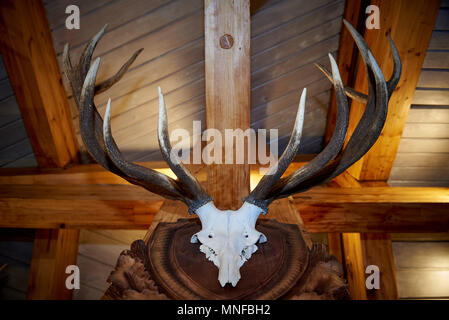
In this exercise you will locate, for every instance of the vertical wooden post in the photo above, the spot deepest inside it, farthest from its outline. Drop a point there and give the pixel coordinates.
(227, 36)
(354, 265)
(347, 247)
(27, 49)
(378, 251)
(53, 251)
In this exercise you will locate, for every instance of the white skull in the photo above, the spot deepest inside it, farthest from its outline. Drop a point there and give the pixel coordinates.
(228, 238)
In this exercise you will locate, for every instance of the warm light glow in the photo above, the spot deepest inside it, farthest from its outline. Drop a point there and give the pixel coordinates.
(254, 179)
(167, 172)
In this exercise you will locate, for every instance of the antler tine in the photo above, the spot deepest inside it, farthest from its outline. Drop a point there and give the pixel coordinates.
(351, 93)
(77, 74)
(198, 195)
(98, 139)
(149, 179)
(91, 120)
(397, 68)
(334, 146)
(88, 115)
(86, 56)
(106, 84)
(391, 83)
(271, 177)
(368, 130)
(365, 134)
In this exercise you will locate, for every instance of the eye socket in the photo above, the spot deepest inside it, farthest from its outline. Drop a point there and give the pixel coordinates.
(246, 236)
(210, 236)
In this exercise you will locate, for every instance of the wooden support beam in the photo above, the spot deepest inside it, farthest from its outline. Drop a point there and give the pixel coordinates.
(410, 23)
(227, 38)
(398, 209)
(27, 49)
(353, 257)
(350, 247)
(377, 250)
(53, 251)
(335, 245)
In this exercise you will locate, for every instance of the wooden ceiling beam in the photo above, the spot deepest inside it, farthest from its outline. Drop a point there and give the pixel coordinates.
(378, 209)
(410, 24)
(27, 49)
(95, 174)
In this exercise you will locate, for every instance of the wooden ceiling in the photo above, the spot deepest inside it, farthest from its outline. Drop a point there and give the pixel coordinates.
(287, 37)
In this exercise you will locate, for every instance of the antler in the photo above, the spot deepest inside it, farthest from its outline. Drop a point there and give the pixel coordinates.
(333, 160)
(100, 144)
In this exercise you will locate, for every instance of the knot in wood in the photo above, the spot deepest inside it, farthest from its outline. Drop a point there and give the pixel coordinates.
(226, 41)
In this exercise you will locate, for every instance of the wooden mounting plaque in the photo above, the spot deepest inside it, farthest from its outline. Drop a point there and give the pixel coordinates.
(183, 271)
(170, 267)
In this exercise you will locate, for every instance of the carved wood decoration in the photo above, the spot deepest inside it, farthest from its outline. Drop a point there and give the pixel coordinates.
(170, 267)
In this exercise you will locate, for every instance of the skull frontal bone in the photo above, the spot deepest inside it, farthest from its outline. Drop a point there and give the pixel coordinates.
(228, 238)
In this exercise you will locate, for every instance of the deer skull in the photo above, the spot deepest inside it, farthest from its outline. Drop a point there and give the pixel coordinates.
(228, 238)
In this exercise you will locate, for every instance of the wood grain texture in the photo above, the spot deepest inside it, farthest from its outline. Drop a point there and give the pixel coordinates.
(29, 57)
(347, 246)
(53, 251)
(378, 251)
(410, 24)
(335, 245)
(285, 211)
(354, 265)
(228, 92)
(128, 207)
